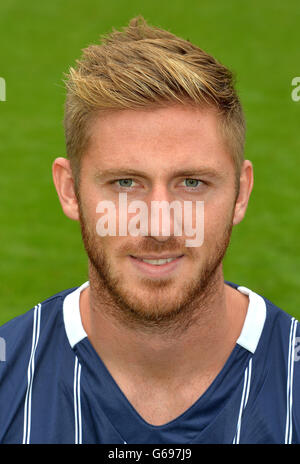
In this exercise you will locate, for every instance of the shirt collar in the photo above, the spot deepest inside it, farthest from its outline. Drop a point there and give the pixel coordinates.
(248, 339)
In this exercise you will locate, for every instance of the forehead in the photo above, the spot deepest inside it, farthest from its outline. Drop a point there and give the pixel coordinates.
(157, 139)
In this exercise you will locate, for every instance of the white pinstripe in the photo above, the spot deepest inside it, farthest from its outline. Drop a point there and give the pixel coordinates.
(77, 403)
(30, 374)
(245, 395)
(289, 387)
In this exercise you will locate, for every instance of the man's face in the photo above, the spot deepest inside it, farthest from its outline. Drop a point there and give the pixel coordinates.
(173, 153)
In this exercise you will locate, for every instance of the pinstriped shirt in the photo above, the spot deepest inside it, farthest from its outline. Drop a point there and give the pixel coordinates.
(54, 387)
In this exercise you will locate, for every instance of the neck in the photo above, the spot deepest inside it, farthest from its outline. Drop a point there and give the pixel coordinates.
(198, 347)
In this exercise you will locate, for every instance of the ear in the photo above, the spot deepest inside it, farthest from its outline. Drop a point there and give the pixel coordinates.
(246, 185)
(64, 184)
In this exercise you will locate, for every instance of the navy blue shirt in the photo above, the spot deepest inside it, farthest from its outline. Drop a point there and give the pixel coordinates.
(54, 387)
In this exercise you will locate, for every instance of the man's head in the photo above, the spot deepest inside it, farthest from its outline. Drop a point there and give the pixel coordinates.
(143, 67)
(153, 116)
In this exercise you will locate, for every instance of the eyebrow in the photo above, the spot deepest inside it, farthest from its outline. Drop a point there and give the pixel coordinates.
(210, 172)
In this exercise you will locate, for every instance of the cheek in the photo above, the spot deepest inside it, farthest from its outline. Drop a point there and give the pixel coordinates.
(98, 215)
(217, 219)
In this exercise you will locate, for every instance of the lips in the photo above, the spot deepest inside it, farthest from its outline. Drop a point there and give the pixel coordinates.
(156, 267)
(157, 261)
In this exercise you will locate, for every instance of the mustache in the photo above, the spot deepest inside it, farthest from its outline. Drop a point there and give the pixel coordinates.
(150, 245)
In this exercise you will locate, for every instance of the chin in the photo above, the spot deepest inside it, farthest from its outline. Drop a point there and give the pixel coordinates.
(161, 302)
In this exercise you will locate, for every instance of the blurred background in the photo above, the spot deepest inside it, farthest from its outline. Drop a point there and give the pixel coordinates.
(41, 250)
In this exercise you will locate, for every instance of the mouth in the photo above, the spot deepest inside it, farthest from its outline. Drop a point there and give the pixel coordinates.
(157, 261)
(156, 266)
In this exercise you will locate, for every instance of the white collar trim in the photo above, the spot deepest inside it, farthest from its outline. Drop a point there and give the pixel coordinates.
(72, 319)
(254, 321)
(248, 339)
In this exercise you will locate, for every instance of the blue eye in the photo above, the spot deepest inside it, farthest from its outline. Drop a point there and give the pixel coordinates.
(125, 182)
(192, 182)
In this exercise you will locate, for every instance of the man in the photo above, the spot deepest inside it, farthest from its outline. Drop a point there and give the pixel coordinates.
(155, 347)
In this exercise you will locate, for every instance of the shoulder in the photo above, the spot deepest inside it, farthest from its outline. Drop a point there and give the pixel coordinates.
(18, 336)
(21, 324)
(276, 333)
(275, 316)
(273, 409)
(34, 343)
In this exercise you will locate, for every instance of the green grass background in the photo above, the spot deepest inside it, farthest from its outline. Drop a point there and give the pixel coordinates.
(41, 250)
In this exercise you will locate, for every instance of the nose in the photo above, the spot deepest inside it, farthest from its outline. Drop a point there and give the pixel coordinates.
(161, 213)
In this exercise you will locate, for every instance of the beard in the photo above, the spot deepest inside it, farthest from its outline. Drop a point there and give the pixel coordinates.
(155, 305)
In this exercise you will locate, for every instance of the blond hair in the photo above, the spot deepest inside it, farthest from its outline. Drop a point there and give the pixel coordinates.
(141, 67)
